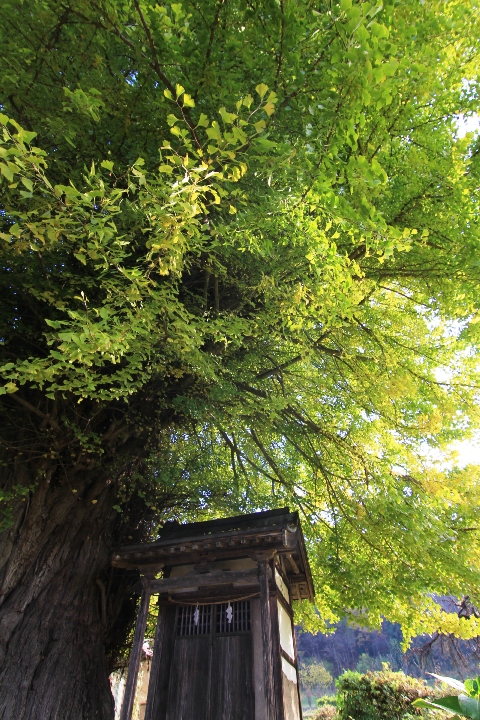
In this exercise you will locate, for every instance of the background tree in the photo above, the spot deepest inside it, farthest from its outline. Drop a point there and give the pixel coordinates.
(239, 269)
(314, 678)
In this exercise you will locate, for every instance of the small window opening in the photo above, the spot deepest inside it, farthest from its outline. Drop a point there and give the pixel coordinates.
(233, 617)
(193, 620)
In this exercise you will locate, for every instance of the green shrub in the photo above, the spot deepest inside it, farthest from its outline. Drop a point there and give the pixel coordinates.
(383, 695)
(327, 700)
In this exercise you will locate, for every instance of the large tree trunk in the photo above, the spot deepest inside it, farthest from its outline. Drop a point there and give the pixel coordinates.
(54, 562)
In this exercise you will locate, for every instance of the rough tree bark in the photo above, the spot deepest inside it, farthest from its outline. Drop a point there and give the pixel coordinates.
(54, 562)
(65, 613)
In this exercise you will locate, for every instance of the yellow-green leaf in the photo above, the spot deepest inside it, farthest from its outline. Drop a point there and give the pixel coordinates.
(261, 90)
(203, 121)
(227, 117)
(6, 172)
(28, 183)
(213, 132)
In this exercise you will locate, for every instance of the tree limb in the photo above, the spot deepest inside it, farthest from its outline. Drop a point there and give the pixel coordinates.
(45, 416)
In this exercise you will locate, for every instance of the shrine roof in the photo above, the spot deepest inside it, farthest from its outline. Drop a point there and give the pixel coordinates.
(253, 521)
(276, 531)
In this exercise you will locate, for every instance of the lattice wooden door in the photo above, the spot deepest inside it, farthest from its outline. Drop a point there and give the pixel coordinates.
(211, 677)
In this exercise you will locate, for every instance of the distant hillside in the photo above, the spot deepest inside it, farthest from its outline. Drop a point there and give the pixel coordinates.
(355, 648)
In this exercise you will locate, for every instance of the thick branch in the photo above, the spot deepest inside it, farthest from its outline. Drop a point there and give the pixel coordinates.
(45, 416)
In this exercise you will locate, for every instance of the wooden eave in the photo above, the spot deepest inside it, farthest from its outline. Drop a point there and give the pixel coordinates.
(275, 531)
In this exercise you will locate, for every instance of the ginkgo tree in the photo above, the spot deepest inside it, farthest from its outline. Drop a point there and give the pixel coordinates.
(239, 248)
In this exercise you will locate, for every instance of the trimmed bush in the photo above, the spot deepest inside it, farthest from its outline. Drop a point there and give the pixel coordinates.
(327, 700)
(383, 695)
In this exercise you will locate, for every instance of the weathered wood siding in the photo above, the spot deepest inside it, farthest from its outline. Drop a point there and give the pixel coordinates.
(189, 687)
(231, 694)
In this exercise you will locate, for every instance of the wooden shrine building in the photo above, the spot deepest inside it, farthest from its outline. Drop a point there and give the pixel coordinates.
(224, 646)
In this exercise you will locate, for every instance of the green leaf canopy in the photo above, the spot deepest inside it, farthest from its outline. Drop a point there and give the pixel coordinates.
(247, 234)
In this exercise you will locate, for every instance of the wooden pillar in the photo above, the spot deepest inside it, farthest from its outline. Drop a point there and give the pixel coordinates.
(156, 660)
(135, 657)
(263, 574)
